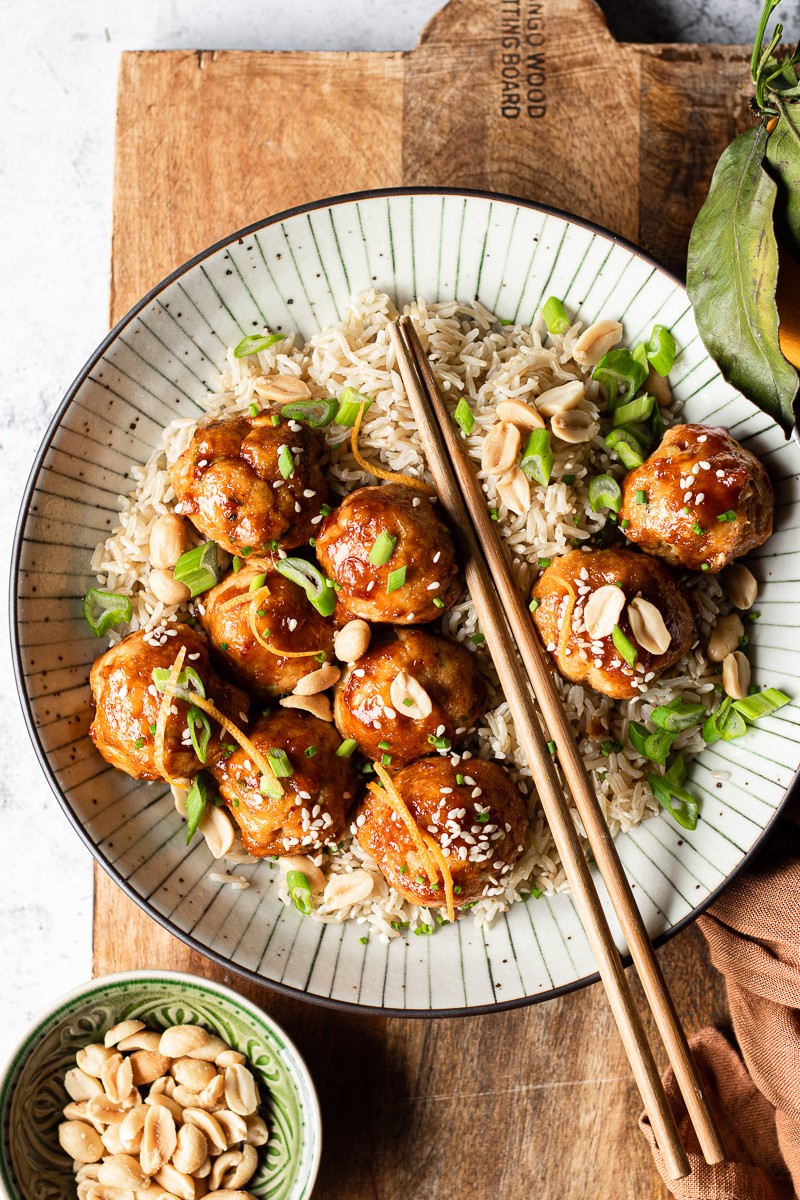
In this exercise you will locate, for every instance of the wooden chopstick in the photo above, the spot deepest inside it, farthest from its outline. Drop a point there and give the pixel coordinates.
(578, 779)
(517, 691)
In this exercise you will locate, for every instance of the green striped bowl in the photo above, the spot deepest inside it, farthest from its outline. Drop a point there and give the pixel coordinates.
(298, 270)
(32, 1095)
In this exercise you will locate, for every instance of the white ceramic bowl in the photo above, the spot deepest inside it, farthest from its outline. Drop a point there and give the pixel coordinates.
(298, 270)
(32, 1094)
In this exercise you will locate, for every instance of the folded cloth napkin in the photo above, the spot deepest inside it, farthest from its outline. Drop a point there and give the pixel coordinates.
(753, 933)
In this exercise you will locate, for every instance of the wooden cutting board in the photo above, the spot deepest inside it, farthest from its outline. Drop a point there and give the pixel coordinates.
(536, 100)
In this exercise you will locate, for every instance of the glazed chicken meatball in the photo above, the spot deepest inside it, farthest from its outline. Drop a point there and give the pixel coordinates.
(127, 702)
(284, 618)
(467, 819)
(316, 796)
(583, 596)
(417, 581)
(245, 483)
(404, 693)
(706, 500)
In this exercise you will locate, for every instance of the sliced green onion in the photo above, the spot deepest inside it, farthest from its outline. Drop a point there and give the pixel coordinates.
(494, 513)
(257, 582)
(537, 457)
(761, 704)
(311, 580)
(625, 649)
(442, 743)
(139, 743)
(725, 723)
(299, 891)
(382, 549)
(463, 416)
(396, 580)
(555, 315)
(198, 568)
(253, 409)
(315, 413)
(610, 746)
(346, 749)
(605, 492)
(544, 563)
(424, 930)
(200, 731)
(534, 604)
(286, 463)
(114, 609)
(384, 746)
(639, 355)
(697, 528)
(730, 515)
(685, 810)
(271, 787)
(255, 342)
(438, 602)
(183, 690)
(626, 446)
(634, 410)
(641, 496)
(661, 349)
(568, 479)
(551, 746)
(678, 715)
(275, 419)
(638, 735)
(621, 376)
(279, 761)
(658, 746)
(196, 800)
(350, 402)
(310, 751)
(236, 564)
(478, 639)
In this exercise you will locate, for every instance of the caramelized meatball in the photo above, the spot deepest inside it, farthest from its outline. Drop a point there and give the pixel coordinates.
(480, 825)
(311, 812)
(564, 591)
(229, 483)
(366, 711)
(127, 702)
(423, 548)
(285, 618)
(708, 500)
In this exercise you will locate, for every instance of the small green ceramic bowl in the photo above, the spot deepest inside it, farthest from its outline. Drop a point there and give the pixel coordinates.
(32, 1095)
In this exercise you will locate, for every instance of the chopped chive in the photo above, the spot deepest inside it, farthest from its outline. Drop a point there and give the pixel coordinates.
(494, 513)
(705, 566)
(534, 604)
(279, 761)
(386, 760)
(403, 869)
(152, 728)
(544, 563)
(463, 416)
(751, 616)
(254, 343)
(382, 549)
(407, 701)
(730, 515)
(346, 749)
(641, 496)
(442, 743)
(363, 941)
(424, 930)
(275, 419)
(698, 529)
(237, 564)
(286, 462)
(384, 746)
(139, 743)
(624, 523)
(246, 551)
(253, 409)
(115, 609)
(551, 746)
(438, 602)
(396, 580)
(624, 647)
(459, 779)
(537, 457)
(458, 889)
(555, 315)
(478, 639)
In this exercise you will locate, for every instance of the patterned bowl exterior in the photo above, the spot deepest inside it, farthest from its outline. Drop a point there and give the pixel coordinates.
(298, 270)
(32, 1094)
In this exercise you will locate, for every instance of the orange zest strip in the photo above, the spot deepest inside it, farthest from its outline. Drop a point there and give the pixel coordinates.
(396, 802)
(163, 716)
(244, 741)
(444, 869)
(252, 613)
(379, 472)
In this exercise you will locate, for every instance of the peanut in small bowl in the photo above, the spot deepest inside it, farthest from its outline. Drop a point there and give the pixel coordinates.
(33, 1094)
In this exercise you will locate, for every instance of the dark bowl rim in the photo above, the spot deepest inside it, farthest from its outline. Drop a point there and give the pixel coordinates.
(187, 938)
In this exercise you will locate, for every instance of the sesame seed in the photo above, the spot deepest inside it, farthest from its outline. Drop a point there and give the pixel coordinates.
(390, 712)
(437, 556)
(432, 587)
(706, 466)
(415, 502)
(700, 497)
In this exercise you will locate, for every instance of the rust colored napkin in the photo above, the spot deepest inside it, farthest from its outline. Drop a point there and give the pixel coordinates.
(753, 933)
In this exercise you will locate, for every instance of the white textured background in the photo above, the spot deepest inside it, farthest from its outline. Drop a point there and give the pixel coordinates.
(58, 66)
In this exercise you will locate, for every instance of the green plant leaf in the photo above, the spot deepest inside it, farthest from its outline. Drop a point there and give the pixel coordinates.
(731, 275)
(782, 160)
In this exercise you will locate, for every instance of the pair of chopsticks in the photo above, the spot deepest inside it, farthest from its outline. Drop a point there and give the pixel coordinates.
(499, 606)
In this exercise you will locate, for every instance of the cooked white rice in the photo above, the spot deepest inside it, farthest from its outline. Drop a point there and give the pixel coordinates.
(474, 355)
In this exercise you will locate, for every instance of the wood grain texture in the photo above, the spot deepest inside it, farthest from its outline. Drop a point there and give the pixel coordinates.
(539, 1101)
